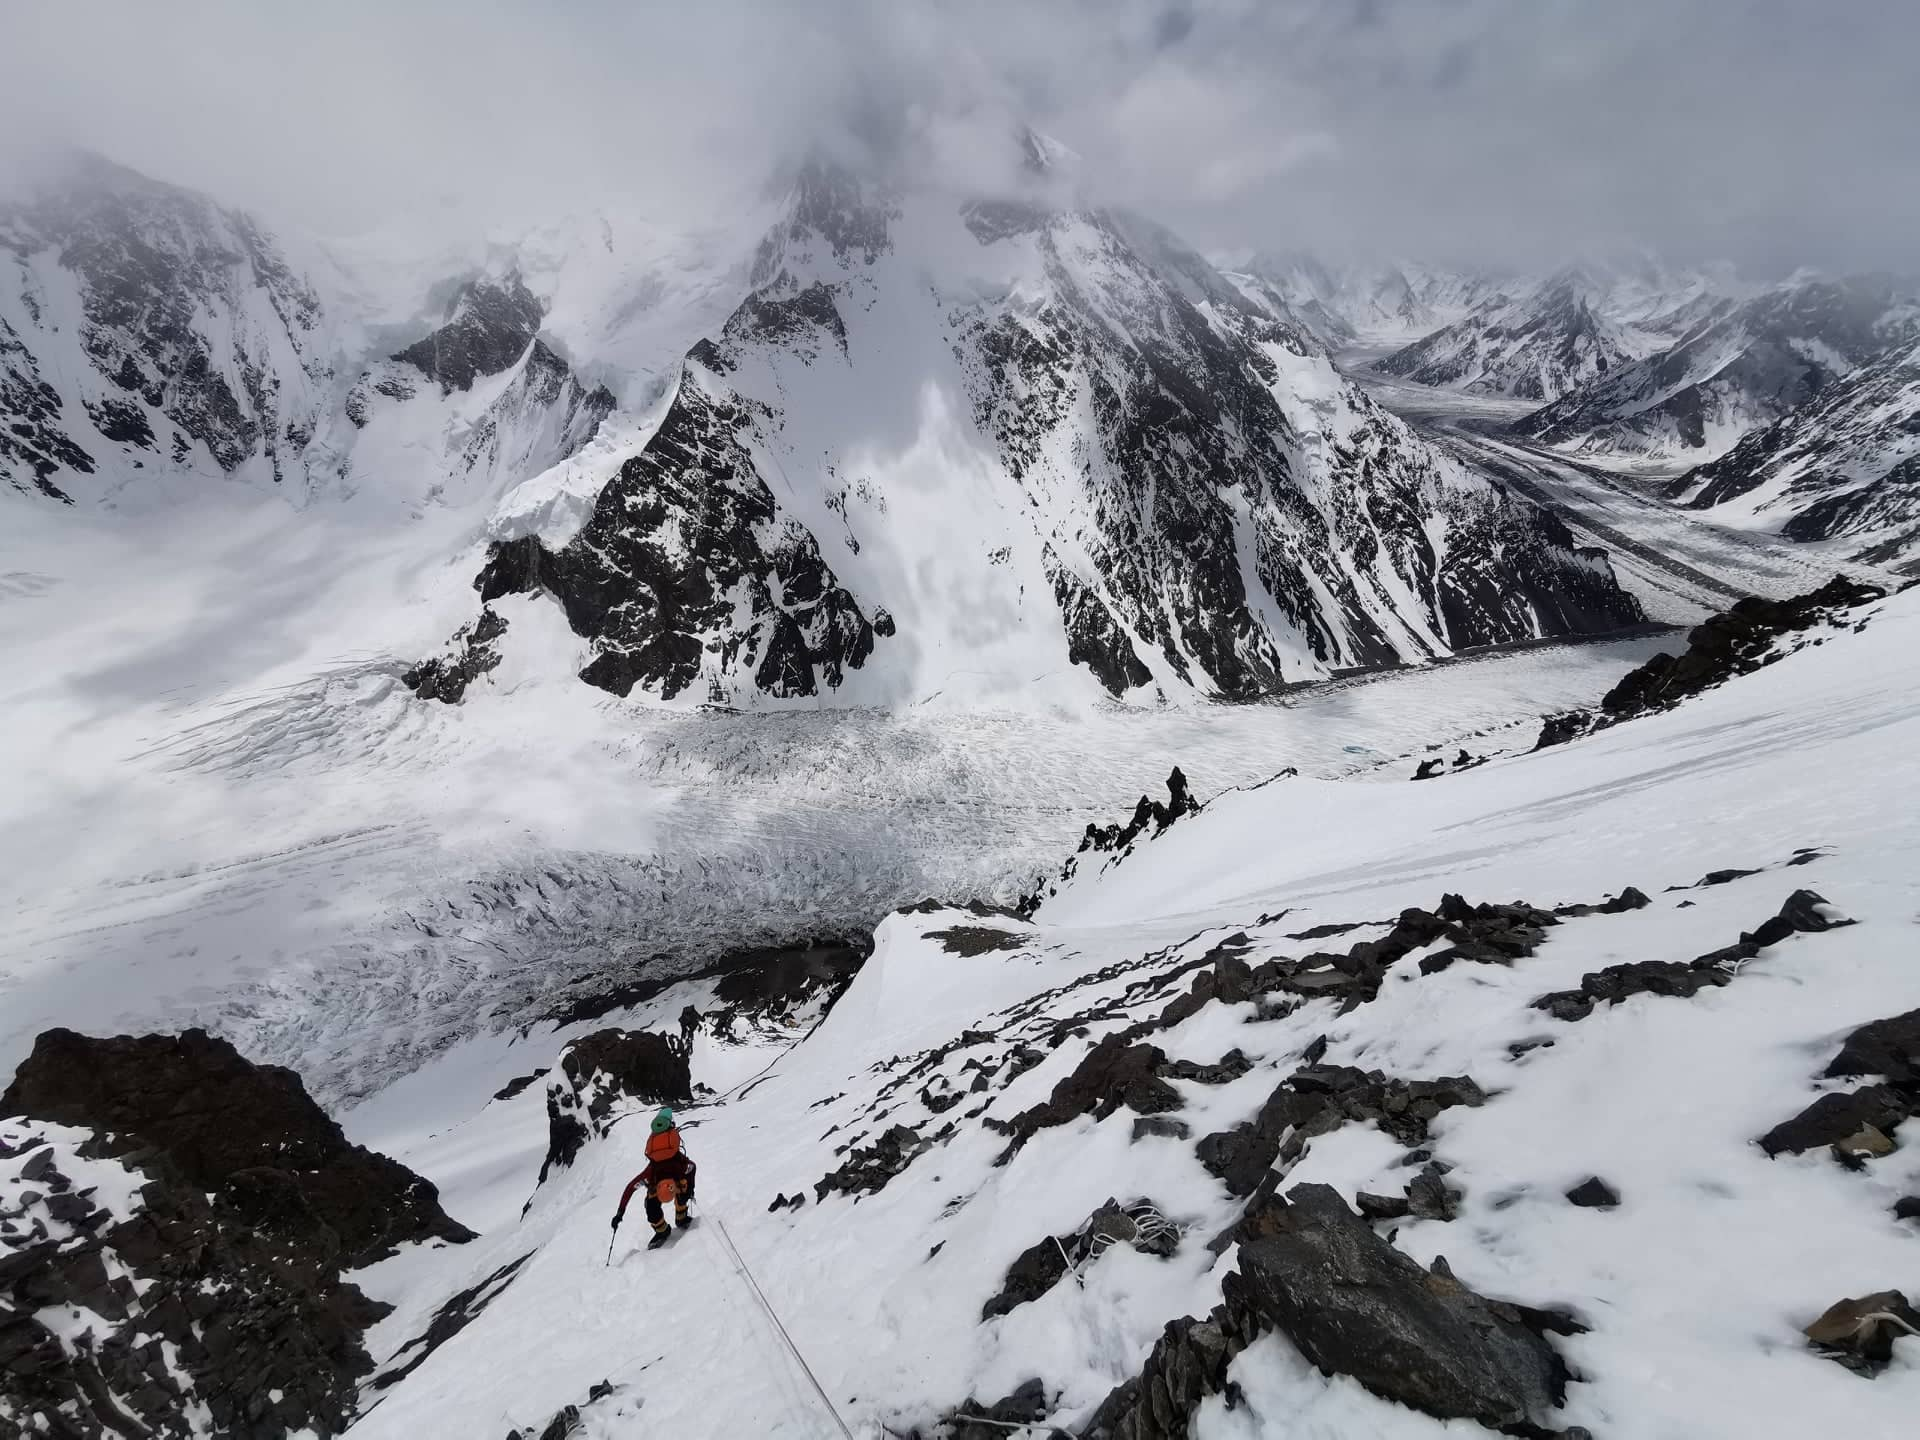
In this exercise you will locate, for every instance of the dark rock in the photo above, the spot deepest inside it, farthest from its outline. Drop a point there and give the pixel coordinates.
(520, 1082)
(1382, 1207)
(1907, 1207)
(601, 1078)
(1112, 1074)
(215, 1115)
(471, 654)
(1022, 1410)
(1161, 1126)
(1147, 814)
(1801, 912)
(1593, 1193)
(489, 325)
(976, 939)
(1356, 1306)
(1042, 1265)
(458, 1312)
(1834, 1118)
(1889, 1048)
(1430, 1198)
(1317, 1099)
(1230, 1066)
(1735, 642)
(867, 1169)
(691, 562)
(1859, 1333)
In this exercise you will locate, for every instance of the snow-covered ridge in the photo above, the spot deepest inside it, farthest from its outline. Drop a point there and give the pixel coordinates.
(154, 343)
(1843, 466)
(1733, 372)
(1555, 1109)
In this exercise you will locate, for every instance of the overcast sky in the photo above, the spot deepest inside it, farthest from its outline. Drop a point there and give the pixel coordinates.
(1773, 132)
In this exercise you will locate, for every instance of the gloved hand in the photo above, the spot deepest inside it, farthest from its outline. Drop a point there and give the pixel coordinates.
(616, 1222)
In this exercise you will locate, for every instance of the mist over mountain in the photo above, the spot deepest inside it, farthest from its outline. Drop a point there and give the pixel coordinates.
(1160, 720)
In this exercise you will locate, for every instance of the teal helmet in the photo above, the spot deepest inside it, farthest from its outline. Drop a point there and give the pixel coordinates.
(663, 1121)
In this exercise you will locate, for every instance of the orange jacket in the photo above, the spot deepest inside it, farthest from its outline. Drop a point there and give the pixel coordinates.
(666, 1160)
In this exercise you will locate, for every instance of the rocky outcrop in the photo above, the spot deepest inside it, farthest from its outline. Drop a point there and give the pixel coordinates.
(471, 654)
(1859, 1124)
(1317, 1273)
(605, 1077)
(868, 1168)
(1802, 911)
(1114, 1073)
(690, 570)
(489, 324)
(1317, 1099)
(194, 1213)
(1356, 1306)
(247, 1133)
(1735, 642)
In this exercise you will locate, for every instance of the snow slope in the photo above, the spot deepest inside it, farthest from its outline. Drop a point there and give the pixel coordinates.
(1691, 1291)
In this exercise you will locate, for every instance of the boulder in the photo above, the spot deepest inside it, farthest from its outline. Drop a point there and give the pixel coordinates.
(1836, 1117)
(1859, 1333)
(1356, 1306)
(1889, 1048)
(1593, 1193)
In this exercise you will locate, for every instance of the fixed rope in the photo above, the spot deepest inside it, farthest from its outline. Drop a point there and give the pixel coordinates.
(792, 1348)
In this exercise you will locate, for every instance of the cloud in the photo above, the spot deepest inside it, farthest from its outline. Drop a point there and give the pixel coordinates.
(1772, 131)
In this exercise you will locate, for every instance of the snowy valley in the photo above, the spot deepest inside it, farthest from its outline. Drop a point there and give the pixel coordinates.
(1200, 847)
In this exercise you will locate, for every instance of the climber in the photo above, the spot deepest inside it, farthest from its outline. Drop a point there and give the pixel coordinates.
(689, 1022)
(668, 1177)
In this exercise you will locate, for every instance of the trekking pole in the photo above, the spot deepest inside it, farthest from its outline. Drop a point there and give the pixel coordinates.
(610, 1239)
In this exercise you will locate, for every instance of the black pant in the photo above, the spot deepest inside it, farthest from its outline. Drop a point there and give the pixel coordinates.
(656, 1217)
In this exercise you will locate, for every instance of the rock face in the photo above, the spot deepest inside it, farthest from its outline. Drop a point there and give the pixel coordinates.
(604, 1077)
(1735, 371)
(197, 1212)
(1141, 474)
(1844, 465)
(1734, 642)
(488, 324)
(248, 1133)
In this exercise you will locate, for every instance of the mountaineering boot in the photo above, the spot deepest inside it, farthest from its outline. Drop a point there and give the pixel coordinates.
(661, 1234)
(681, 1218)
